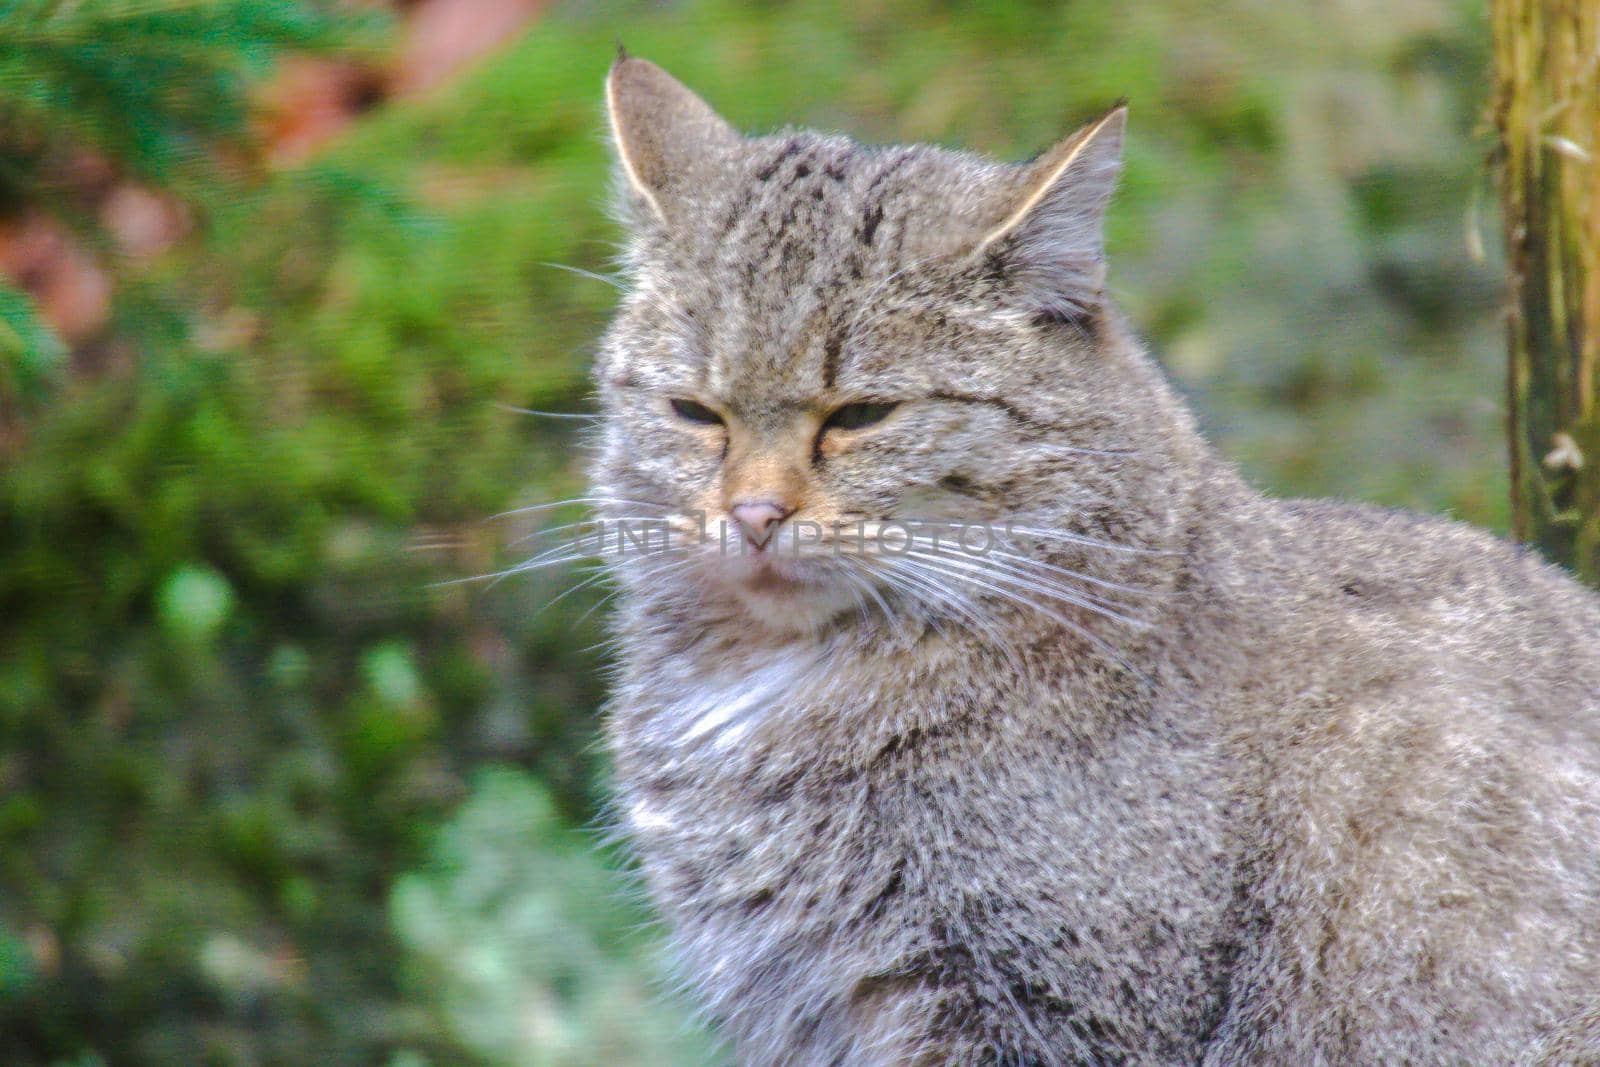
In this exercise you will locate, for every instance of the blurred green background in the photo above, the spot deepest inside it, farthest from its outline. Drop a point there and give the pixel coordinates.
(275, 274)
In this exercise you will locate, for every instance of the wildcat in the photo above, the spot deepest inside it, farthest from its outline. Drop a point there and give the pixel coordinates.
(1170, 773)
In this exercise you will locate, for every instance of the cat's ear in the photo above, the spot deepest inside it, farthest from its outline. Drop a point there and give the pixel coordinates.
(669, 142)
(1048, 228)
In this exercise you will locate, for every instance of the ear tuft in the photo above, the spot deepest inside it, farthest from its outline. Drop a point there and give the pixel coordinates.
(668, 141)
(1050, 228)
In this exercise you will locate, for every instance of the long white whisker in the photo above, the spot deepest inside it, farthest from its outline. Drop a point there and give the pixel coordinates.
(1018, 579)
(1033, 579)
(867, 576)
(537, 565)
(651, 568)
(857, 584)
(1066, 572)
(548, 530)
(549, 414)
(599, 575)
(1009, 590)
(573, 547)
(965, 611)
(1103, 646)
(494, 578)
(551, 557)
(924, 593)
(580, 272)
(596, 606)
(858, 581)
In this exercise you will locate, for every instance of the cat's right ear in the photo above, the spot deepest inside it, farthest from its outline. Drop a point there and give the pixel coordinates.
(669, 142)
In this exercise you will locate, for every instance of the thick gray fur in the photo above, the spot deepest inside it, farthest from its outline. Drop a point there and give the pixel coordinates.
(1331, 797)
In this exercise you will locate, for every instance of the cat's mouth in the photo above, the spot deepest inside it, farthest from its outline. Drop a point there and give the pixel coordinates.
(769, 572)
(782, 592)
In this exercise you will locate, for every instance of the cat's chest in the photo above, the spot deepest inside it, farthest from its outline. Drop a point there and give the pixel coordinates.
(789, 877)
(752, 842)
(709, 759)
(686, 713)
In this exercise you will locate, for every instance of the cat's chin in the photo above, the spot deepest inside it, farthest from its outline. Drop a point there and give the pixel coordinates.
(787, 596)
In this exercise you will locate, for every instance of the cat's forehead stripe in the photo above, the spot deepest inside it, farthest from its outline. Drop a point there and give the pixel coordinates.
(803, 257)
(787, 260)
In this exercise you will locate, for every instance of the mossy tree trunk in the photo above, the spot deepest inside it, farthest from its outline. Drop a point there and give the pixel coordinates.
(1547, 115)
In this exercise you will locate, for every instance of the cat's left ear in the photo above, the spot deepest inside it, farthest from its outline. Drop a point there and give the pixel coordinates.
(1048, 233)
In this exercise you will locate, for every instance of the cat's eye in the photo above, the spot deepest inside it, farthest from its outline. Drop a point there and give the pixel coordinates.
(689, 411)
(859, 416)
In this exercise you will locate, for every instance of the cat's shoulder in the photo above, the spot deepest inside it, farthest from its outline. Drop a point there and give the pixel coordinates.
(1430, 618)
(1373, 557)
(1318, 604)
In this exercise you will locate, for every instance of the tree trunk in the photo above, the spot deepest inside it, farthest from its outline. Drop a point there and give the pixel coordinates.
(1547, 115)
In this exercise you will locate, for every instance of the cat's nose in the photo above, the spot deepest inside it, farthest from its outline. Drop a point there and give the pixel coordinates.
(757, 519)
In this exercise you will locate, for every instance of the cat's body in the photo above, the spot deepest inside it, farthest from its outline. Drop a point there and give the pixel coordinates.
(1331, 796)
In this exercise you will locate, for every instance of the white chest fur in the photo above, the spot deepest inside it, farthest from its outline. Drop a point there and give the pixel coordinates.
(710, 719)
(715, 770)
(717, 709)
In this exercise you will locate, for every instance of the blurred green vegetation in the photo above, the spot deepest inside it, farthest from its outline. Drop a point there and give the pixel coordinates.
(514, 933)
(270, 793)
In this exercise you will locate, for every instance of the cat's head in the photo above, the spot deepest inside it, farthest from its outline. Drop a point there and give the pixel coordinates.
(819, 333)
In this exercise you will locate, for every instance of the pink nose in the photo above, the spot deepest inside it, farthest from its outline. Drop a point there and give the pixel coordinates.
(757, 519)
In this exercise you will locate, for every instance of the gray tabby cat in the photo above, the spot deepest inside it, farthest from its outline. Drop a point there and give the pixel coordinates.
(1168, 772)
